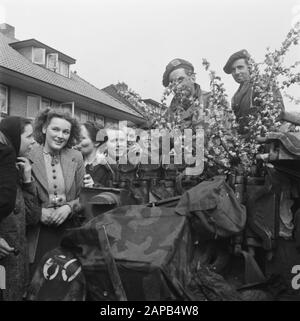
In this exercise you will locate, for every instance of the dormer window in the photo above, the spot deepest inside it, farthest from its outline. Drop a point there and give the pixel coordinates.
(52, 61)
(38, 55)
(63, 68)
(43, 55)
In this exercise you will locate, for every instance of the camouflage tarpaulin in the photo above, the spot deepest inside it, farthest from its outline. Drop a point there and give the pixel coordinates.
(147, 255)
(151, 246)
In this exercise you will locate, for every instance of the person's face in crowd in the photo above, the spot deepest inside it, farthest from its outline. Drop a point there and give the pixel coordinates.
(57, 134)
(86, 146)
(185, 82)
(116, 143)
(240, 71)
(27, 141)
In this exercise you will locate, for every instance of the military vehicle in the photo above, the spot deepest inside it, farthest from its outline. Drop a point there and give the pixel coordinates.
(152, 236)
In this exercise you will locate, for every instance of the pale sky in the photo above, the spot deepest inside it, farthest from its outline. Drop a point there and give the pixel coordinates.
(133, 40)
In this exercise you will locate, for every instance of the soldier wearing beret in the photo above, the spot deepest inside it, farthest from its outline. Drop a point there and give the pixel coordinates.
(243, 102)
(189, 101)
(182, 72)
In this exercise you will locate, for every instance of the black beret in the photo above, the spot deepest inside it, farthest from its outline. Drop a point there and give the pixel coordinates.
(173, 65)
(237, 55)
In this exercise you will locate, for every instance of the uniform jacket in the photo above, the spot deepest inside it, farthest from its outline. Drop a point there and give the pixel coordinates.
(191, 117)
(243, 104)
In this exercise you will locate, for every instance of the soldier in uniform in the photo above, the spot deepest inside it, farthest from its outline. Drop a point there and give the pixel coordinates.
(189, 97)
(243, 101)
(189, 102)
(237, 66)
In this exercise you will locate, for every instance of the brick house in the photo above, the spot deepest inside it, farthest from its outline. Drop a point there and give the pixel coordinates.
(34, 76)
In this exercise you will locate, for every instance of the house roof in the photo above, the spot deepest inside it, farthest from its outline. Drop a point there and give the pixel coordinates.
(112, 91)
(152, 102)
(36, 43)
(11, 59)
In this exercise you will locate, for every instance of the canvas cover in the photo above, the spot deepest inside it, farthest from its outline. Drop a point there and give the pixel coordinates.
(213, 208)
(290, 141)
(153, 250)
(149, 255)
(151, 247)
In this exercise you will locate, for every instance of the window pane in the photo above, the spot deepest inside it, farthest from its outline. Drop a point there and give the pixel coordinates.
(3, 99)
(45, 103)
(33, 106)
(99, 119)
(83, 117)
(52, 61)
(77, 115)
(38, 56)
(55, 105)
(63, 68)
(91, 117)
(67, 107)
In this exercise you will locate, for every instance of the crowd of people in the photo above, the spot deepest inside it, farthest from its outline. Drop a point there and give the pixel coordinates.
(44, 165)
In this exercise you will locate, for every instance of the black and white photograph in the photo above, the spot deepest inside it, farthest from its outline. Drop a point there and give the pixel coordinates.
(149, 153)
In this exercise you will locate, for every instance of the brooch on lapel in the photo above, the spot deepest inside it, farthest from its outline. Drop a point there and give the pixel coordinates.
(54, 160)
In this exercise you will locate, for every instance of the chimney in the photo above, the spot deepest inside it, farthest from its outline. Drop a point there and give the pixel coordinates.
(7, 30)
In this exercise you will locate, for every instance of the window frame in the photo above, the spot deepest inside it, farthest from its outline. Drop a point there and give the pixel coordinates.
(55, 68)
(5, 111)
(39, 105)
(99, 119)
(59, 68)
(86, 113)
(33, 56)
(45, 100)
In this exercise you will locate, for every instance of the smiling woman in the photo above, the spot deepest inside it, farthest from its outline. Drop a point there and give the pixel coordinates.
(58, 170)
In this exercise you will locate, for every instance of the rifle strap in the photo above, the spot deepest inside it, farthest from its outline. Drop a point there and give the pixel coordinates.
(111, 264)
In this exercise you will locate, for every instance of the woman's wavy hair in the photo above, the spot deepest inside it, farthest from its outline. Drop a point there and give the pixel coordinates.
(44, 118)
(93, 129)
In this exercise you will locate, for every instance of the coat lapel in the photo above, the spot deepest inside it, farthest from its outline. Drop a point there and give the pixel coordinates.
(68, 165)
(38, 166)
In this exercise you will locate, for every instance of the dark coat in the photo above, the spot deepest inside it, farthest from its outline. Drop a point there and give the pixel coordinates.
(18, 207)
(100, 174)
(13, 230)
(8, 178)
